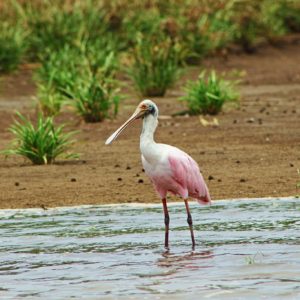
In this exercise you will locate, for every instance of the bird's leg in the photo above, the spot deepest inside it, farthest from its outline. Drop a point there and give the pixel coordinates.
(190, 222)
(167, 222)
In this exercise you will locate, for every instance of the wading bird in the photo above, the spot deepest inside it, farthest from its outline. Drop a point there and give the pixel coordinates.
(170, 169)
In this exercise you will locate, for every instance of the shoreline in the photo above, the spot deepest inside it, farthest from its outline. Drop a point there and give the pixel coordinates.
(146, 205)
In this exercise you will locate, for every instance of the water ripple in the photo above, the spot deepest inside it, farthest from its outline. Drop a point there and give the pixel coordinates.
(246, 249)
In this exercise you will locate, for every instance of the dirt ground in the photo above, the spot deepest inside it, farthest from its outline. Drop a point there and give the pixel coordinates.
(254, 152)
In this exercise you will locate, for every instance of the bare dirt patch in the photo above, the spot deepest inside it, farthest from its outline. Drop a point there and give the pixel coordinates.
(255, 152)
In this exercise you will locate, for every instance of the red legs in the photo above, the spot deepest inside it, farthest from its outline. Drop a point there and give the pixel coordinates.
(190, 222)
(167, 222)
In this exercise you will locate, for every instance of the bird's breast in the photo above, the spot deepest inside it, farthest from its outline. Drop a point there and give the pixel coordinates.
(151, 152)
(155, 161)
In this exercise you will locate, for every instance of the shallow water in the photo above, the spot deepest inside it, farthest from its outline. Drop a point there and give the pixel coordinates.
(246, 249)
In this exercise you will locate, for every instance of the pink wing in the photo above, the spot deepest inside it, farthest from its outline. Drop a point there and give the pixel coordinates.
(186, 173)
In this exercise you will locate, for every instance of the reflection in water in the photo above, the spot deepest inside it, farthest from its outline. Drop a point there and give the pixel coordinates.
(184, 260)
(246, 250)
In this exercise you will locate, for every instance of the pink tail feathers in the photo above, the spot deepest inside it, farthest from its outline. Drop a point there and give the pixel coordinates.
(186, 173)
(206, 199)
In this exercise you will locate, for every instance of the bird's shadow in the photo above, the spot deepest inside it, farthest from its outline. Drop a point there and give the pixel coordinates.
(186, 260)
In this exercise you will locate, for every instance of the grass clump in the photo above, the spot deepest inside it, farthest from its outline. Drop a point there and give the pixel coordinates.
(41, 144)
(100, 56)
(206, 30)
(156, 65)
(83, 77)
(56, 24)
(254, 259)
(256, 21)
(204, 27)
(95, 99)
(92, 88)
(60, 69)
(58, 72)
(290, 14)
(49, 100)
(208, 94)
(12, 46)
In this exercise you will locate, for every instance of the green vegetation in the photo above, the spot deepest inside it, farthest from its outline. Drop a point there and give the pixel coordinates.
(83, 75)
(58, 72)
(100, 57)
(56, 24)
(82, 47)
(202, 26)
(59, 69)
(95, 99)
(53, 76)
(156, 63)
(204, 31)
(254, 259)
(209, 93)
(42, 143)
(255, 21)
(250, 260)
(12, 46)
(49, 101)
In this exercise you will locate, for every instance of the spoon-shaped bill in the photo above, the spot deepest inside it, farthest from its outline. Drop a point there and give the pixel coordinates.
(137, 114)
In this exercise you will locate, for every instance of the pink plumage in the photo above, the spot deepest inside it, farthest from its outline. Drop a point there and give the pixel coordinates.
(176, 172)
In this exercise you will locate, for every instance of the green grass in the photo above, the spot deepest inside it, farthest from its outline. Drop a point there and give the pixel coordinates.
(290, 14)
(61, 68)
(203, 31)
(100, 56)
(56, 24)
(59, 71)
(201, 26)
(84, 74)
(250, 260)
(254, 259)
(209, 93)
(48, 99)
(255, 20)
(42, 143)
(156, 65)
(72, 39)
(95, 99)
(12, 46)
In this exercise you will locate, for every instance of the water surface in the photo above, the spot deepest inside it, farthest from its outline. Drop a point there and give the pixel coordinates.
(246, 249)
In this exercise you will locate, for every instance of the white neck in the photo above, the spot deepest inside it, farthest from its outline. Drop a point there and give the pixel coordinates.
(147, 144)
(149, 126)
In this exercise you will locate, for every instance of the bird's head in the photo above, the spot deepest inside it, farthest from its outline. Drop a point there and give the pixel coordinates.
(148, 107)
(144, 109)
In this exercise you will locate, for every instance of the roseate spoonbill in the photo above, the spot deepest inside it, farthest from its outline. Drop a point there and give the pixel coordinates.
(170, 169)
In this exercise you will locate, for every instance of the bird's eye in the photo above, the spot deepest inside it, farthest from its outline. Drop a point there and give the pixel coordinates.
(151, 109)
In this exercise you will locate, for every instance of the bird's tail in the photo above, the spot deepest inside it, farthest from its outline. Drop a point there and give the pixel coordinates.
(206, 199)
